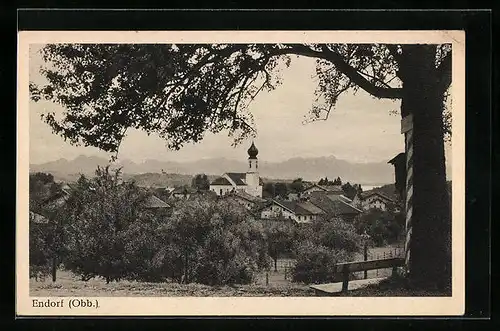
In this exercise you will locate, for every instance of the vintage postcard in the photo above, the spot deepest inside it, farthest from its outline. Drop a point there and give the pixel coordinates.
(276, 173)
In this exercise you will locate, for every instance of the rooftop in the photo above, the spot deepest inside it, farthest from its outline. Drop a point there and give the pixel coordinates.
(333, 205)
(237, 177)
(248, 197)
(367, 194)
(300, 207)
(155, 202)
(220, 181)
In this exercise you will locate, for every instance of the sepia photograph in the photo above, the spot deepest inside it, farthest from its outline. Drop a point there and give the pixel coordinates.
(304, 167)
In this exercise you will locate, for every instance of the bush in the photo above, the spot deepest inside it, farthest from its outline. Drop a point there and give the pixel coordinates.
(279, 238)
(316, 263)
(337, 234)
(39, 255)
(320, 246)
(46, 248)
(217, 244)
(384, 227)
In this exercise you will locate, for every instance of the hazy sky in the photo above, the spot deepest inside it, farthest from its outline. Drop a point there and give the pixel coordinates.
(359, 129)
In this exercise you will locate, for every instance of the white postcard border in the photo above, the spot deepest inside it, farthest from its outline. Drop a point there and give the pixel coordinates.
(239, 306)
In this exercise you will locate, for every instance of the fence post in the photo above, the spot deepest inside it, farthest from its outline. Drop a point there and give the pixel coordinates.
(267, 278)
(366, 258)
(345, 278)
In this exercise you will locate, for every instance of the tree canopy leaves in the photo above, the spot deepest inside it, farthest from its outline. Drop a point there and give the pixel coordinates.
(181, 91)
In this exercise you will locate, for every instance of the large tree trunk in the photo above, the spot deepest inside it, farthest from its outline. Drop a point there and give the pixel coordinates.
(430, 258)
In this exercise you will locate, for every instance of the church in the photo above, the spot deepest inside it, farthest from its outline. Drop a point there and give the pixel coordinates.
(249, 182)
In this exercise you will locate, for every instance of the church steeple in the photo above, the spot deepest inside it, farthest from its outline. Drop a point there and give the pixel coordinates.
(252, 151)
(252, 179)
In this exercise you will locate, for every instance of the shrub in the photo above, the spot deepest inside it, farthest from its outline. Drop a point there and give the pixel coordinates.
(46, 248)
(217, 243)
(320, 246)
(279, 238)
(384, 227)
(39, 255)
(316, 263)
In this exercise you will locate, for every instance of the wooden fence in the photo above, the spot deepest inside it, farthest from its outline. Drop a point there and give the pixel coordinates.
(285, 265)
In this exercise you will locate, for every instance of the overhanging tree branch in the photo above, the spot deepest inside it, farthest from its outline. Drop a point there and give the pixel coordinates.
(346, 69)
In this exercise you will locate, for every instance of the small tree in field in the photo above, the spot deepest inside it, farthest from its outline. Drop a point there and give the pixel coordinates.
(279, 236)
(39, 257)
(46, 240)
(211, 242)
(101, 213)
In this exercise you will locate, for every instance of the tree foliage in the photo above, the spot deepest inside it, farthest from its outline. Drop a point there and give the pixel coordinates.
(175, 89)
(350, 191)
(45, 236)
(41, 188)
(103, 214)
(39, 254)
(280, 190)
(279, 235)
(211, 243)
(383, 227)
(297, 185)
(320, 246)
(326, 182)
(200, 182)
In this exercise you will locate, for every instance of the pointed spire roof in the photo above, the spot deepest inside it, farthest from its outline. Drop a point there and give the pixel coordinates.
(252, 151)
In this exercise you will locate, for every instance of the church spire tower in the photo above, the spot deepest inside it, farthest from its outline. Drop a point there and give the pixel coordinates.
(252, 158)
(252, 176)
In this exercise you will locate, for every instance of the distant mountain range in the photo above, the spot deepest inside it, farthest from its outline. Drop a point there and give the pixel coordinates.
(307, 168)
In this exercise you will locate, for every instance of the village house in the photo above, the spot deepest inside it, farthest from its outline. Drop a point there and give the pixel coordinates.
(335, 205)
(337, 189)
(249, 182)
(373, 200)
(59, 198)
(298, 211)
(183, 192)
(246, 200)
(157, 206)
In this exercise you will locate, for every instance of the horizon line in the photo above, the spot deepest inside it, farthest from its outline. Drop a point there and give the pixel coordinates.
(108, 160)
